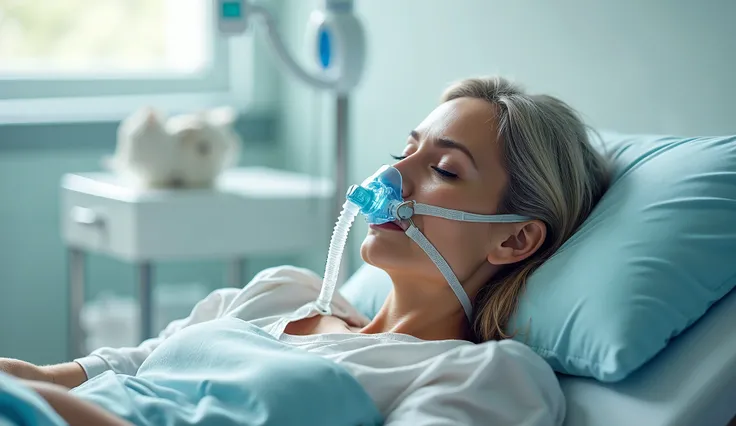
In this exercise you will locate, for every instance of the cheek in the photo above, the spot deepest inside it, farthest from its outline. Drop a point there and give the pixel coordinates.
(461, 244)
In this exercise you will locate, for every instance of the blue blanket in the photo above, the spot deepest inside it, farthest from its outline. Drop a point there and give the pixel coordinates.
(20, 405)
(229, 372)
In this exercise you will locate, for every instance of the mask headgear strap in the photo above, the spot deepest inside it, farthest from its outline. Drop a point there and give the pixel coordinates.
(415, 234)
(407, 209)
(428, 210)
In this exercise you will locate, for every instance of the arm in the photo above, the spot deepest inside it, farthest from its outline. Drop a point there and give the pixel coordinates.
(75, 411)
(120, 360)
(68, 375)
(500, 383)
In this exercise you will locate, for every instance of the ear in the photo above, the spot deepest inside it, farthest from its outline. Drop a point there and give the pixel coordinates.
(222, 116)
(516, 241)
(148, 117)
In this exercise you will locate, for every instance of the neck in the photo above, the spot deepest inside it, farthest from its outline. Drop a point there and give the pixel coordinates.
(414, 308)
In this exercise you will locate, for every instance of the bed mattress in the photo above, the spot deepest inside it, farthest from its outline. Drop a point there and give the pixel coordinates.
(691, 382)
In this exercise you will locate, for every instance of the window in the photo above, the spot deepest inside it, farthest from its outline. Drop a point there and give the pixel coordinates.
(103, 37)
(104, 48)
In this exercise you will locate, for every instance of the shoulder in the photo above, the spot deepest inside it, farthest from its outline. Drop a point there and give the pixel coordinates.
(275, 292)
(283, 276)
(501, 380)
(279, 291)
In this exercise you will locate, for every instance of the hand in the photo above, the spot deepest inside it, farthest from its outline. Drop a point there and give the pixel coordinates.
(24, 370)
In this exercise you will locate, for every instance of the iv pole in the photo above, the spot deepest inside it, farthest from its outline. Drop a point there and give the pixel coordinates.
(339, 54)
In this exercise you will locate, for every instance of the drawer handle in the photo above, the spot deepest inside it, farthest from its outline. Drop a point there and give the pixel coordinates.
(87, 217)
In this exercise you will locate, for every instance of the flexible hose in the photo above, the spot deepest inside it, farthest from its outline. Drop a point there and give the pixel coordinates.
(334, 255)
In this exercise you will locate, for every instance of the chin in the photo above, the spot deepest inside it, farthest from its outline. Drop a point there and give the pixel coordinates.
(384, 252)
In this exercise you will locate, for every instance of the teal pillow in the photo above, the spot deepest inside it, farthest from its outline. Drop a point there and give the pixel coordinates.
(654, 255)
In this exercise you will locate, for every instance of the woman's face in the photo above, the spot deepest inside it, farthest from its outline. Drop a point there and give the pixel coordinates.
(452, 160)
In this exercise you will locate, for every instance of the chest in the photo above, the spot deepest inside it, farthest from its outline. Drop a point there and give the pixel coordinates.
(319, 324)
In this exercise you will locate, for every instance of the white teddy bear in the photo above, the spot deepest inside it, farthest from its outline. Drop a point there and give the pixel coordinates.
(186, 151)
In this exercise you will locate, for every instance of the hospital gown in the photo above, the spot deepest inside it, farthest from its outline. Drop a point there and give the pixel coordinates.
(410, 381)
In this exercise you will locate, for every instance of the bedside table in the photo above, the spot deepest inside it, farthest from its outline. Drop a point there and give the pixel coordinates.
(250, 211)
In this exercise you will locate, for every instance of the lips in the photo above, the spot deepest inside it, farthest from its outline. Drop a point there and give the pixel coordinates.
(389, 226)
(396, 225)
(400, 225)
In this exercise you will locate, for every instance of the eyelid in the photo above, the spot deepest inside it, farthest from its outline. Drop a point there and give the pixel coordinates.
(444, 173)
(444, 164)
(439, 168)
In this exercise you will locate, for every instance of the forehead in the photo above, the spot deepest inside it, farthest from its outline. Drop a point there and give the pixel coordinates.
(469, 121)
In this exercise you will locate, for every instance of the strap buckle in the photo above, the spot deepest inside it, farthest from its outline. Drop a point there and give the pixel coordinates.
(405, 211)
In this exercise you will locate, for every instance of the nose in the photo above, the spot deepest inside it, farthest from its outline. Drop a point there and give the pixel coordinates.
(407, 182)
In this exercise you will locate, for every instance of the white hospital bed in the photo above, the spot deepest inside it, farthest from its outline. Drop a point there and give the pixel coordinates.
(692, 382)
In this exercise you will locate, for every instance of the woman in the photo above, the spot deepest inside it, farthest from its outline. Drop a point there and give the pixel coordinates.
(488, 148)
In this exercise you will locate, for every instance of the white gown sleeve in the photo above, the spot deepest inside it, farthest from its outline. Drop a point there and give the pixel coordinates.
(128, 360)
(496, 383)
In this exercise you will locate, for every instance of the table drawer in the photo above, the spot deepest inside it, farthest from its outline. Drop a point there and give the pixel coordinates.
(97, 224)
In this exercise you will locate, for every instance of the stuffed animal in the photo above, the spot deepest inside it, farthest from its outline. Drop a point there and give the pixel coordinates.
(185, 151)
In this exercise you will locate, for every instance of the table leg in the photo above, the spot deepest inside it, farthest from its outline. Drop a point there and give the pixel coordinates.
(76, 271)
(237, 273)
(145, 289)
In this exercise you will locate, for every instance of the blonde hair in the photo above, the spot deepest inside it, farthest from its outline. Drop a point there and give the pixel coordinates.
(554, 175)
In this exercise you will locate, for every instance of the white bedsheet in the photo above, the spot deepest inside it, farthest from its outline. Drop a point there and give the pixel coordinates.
(692, 382)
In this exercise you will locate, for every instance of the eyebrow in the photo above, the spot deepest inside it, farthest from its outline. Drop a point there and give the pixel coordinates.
(450, 144)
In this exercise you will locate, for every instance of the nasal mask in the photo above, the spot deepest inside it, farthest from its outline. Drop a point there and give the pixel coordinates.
(379, 199)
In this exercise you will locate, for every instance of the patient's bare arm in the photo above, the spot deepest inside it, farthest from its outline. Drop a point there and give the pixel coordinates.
(72, 409)
(69, 374)
(52, 383)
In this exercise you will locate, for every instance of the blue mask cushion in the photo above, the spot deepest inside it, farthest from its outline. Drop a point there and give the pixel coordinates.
(654, 255)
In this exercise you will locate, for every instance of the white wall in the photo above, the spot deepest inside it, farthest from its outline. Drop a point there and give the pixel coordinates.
(653, 66)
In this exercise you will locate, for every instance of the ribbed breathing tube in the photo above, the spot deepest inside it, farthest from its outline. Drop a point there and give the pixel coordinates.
(334, 255)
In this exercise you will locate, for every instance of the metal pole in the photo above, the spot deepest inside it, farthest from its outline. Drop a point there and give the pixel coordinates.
(341, 172)
(237, 272)
(145, 288)
(76, 276)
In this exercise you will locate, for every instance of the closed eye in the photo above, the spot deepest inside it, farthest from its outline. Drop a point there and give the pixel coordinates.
(442, 172)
